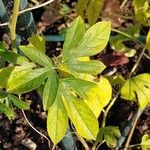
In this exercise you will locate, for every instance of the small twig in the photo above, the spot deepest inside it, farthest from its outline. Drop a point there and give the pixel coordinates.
(29, 9)
(4, 24)
(49, 143)
(35, 2)
(138, 114)
(86, 147)
(100, 144)
(108, 108)
(137, 62)
(131, 146)
(35, 7)
(123, 3)
(148, 57)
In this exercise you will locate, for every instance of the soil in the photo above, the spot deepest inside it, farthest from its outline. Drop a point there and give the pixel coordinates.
(15, 133)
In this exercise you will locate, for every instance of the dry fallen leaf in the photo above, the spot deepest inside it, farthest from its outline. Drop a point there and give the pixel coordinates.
(111, 12)
(114, 59)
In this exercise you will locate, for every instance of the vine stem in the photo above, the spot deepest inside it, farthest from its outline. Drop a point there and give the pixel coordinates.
(138, 114)
(108, 109)
(13, 22)
(36, 129)
(137, 63)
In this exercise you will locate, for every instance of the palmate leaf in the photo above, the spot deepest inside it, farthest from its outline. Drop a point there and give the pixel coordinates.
(137, 89)
(92, 42)
(110, 135)
(145, 143)
(95, 95)
(141, 9)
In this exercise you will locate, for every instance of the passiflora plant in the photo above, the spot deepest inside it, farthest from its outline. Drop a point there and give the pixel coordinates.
(68, 84)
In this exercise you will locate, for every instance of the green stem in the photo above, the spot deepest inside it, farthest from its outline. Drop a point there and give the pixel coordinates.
(108, 108)
(13, 22)
(138, 114)
(137, 62)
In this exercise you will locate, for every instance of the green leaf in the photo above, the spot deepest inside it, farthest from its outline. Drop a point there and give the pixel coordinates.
(4, 75)
(110, 135)
(3, 94)
(145, 144)
(141, 9)
(148, 41)
(80, 7)
(93, 10)
(38, 42)
(36, 56)
(27, 81)
(57, 120)
(117, 44)
(5, 109)
(18, 102)
(81, 115)
(137, 88)
(89, 67)
(94, 40)
(73, 37)
(95, 95)
(50, 90)
(12, 57)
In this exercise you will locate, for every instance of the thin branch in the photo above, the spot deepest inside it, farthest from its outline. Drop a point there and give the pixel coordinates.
(138, 114)
(13, 22)
(148, 57)
(36, 129)
(108, 108)
(35, 7)
(137, 62)
(29, 9)
(123, 3)
(4, 24)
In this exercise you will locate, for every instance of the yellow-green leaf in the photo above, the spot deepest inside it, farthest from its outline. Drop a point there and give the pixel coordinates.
(93, 10)
(141, 9)
(145, 144)
(57, 120)
(89, 67)
(18, 102)
(94, 40)
(50, 90)
(137, 89)
(73, 37)
(81, 116)
(37, 56)
(38, 42)
(27, 81)
(80, 7)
